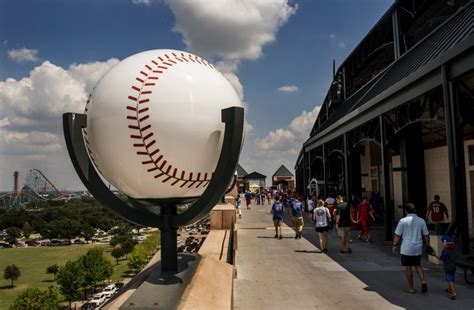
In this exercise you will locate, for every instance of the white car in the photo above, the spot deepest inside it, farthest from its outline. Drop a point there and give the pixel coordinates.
(98, 299)
(109, 291)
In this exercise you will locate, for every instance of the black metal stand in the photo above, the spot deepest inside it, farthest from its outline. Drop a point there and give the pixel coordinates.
(167, 220)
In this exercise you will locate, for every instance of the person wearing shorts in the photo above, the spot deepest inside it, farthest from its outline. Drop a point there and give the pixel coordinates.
(412, 230)
(322, 217)
(310, 206)
(277, 211)
(342, 214)
(297, 210)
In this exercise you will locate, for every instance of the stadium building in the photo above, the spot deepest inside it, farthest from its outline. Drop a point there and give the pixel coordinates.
(398, 118)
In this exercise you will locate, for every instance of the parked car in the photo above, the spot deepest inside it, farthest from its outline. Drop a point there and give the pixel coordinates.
(32, 243)
(89, 306)
(79, 241)
(109, 290)
(119, 285)
(5, 245)
(98, 299)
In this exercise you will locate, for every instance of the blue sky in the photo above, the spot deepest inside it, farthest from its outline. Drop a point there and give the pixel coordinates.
(286, 45)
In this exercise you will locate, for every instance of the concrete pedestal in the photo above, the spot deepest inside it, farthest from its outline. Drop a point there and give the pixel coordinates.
(222, 216)
(437, 245)
(163, 290)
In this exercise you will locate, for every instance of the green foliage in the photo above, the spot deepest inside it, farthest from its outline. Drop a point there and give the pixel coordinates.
(96, 266)
(53, 269)
(11, 272)
(151, 243)
(63, 228)
(71, 277)
(36, 299)
(117, 252)
(27, 230)
(138, 258)
(13, 233)
(87, 232)
(126, 242)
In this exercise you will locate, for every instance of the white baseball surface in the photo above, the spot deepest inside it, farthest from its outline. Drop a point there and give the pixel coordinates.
(154, 127)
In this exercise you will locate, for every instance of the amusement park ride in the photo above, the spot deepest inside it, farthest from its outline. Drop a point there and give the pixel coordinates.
(37, 187)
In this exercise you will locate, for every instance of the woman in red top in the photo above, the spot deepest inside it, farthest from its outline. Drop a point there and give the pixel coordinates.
(364, 211)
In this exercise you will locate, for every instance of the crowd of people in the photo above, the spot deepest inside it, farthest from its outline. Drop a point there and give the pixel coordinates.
(335, 213)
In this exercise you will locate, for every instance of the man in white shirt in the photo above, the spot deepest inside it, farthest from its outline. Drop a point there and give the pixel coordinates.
(412, 230)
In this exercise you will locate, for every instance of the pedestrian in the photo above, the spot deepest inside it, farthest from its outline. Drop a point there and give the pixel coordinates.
(363, 216)
(342, 215)
(310, 206)
(322, 218)
(331, 204)
(449, 256)
(238, 205)
(248, 199)
(436, 211)
(277, 211)
(257, 197)
(262, 194)
(412, 230)
(297, 210)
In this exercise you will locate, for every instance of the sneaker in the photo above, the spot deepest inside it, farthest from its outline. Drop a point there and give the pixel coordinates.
(281, 237)
(349, 250)
(359, 237)
(296, 237)
(276, 236)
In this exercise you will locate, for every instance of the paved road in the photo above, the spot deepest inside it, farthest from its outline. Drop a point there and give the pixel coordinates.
(289, 273)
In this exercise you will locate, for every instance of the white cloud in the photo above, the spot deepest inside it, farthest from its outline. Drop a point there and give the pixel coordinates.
(142, 2)
(341, 44)
(31, 114)
(303, 123)
(278, 140)
(332, 36)
(22, 54)
(290, 139)
(288, 88)
(229, 29)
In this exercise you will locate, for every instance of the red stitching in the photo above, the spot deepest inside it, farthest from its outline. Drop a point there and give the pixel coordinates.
(146, 136)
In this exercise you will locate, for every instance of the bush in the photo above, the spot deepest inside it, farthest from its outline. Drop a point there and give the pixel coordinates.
(36, 299)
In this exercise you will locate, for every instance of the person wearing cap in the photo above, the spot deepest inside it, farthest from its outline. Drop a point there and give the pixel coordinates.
(412, 230)
(449, 256)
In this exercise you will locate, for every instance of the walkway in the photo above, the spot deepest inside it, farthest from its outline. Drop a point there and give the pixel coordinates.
(289, 273)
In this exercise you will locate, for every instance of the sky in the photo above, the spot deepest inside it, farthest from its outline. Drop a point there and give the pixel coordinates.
(277, 54)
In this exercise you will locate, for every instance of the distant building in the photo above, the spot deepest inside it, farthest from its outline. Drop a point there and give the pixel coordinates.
(241, 173)
(255, 181)
(283, 179)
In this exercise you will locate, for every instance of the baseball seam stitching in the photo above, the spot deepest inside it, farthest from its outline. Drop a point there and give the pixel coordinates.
(141, 131)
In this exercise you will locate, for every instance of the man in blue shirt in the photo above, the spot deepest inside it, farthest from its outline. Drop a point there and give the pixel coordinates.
(297, 209)
(412, 230)
(277, 211)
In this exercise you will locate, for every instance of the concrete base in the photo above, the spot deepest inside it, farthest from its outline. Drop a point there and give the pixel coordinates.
(211, 286)
(222, 216)
(163, 290)
(437, 245)
(230, 199)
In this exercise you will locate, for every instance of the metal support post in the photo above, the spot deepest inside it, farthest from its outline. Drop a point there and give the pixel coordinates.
(388, 220)
(346, 168)
(457, 174)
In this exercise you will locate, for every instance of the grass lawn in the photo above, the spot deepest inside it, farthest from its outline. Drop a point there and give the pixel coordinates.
(33, 262)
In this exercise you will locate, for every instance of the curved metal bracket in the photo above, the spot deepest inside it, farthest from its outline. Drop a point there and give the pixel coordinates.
(233, 117)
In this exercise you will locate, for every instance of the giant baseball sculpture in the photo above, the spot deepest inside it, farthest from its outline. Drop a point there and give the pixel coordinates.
(164, 127)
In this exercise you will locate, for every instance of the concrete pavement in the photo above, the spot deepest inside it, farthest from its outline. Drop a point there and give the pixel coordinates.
(289, 273)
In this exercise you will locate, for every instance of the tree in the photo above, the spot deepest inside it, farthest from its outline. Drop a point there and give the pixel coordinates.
(36, 299)
(87, 232)
(97, 267)
(11, 272)
(13, 233)
(53, 269)
(70, 279)
(117, 252)
(138, 258)
(27, 230)
(128, 246)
